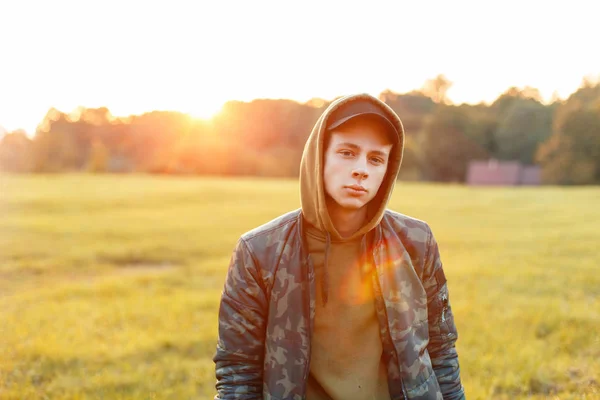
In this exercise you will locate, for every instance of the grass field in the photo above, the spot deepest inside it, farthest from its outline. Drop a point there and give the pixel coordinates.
(109, 285)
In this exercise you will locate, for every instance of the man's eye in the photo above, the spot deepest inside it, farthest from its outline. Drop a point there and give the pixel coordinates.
(377, 160)
(346, 153)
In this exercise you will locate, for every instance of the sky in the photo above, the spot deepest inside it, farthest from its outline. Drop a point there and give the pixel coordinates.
(192, 56)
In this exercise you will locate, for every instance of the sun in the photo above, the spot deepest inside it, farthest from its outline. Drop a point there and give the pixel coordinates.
(206, 111)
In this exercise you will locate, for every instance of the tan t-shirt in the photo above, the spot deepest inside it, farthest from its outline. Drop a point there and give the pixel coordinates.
(346, 356)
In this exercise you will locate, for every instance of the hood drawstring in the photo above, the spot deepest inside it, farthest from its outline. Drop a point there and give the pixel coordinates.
(363, 256)
(325, 280)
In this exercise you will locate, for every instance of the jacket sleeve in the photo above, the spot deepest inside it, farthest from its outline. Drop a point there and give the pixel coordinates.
(240, 345)
(442, 329)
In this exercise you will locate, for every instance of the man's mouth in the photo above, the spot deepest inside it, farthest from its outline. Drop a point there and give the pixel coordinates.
(356, 188)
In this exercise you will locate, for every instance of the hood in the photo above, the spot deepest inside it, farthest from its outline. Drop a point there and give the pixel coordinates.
(312, 189)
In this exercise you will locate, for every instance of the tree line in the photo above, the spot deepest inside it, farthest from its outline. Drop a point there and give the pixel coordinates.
(266, 137)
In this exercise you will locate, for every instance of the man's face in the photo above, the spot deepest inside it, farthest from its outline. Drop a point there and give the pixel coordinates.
(356, 161)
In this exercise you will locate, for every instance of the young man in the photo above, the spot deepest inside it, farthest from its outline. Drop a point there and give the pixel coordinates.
(342, 299)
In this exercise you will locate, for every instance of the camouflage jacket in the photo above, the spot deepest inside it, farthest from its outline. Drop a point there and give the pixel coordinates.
(268, 306)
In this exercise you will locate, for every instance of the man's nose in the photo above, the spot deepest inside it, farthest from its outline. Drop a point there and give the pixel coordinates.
(360, 172)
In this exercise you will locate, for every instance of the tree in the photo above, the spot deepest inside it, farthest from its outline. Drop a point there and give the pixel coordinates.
(513, 94)
(60, 144)
(437, 88)
(412, 108)
(522, 127)
(15, 152)
(572, 154)
(99, 156)
(445, 147)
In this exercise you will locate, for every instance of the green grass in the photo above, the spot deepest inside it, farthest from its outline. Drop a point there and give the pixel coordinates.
(109, 285)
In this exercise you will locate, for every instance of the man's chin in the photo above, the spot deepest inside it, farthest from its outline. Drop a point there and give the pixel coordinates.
(346, 203)
(351, 205)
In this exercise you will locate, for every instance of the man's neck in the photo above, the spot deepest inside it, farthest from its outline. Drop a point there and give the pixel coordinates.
(347, 222)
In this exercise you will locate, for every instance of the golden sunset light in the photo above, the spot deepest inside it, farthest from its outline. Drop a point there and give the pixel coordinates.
(134, 57)
(285, 199)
